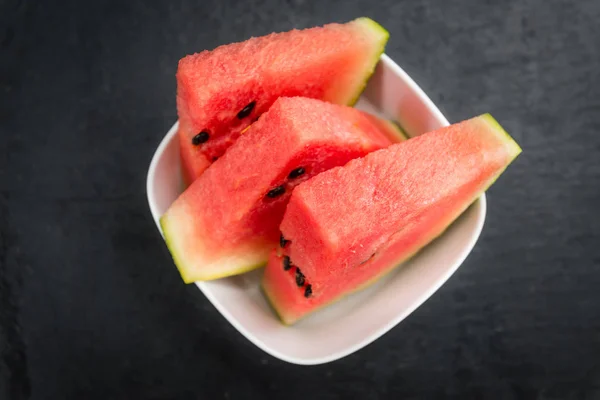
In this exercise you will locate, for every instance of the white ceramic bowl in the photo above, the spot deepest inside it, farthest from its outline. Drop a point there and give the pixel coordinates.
(354, 322)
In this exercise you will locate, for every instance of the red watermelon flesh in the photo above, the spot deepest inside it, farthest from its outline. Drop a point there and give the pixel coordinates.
(349, 225)
(221, 92)
(227, 221)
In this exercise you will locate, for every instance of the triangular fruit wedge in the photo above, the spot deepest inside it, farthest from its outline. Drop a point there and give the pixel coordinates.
(228, 220)
(347, 226)
(221, 92)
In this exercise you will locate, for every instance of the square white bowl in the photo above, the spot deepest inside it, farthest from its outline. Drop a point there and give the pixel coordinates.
(359, 319)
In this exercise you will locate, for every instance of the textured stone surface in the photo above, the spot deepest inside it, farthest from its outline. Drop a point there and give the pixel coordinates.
(90, 305)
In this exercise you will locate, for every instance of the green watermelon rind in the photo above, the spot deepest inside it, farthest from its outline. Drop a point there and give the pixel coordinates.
(392, 130)
(271, 303)
(401, 133)
(376, 28)
(174, 254)
(184, 272)
(513, 150)
(511, 144)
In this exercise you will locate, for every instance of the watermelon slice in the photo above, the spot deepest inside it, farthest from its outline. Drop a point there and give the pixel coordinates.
(227, 221)
(221, 92)
(347, 226)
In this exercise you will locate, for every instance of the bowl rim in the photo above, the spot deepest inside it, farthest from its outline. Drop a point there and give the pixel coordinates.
(398, 71)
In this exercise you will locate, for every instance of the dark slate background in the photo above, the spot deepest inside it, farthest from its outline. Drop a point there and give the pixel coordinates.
(91, 306)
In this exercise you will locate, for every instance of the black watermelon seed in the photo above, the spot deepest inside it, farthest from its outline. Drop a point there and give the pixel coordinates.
(299, 278)
(200, 138)
(215, 158)
(308, 291)
(275, 192)
(246, 110)
(283, 241)
(296, 173)
(287, 264)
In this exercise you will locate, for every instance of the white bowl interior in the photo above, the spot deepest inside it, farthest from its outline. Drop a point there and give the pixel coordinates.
(357, 320)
